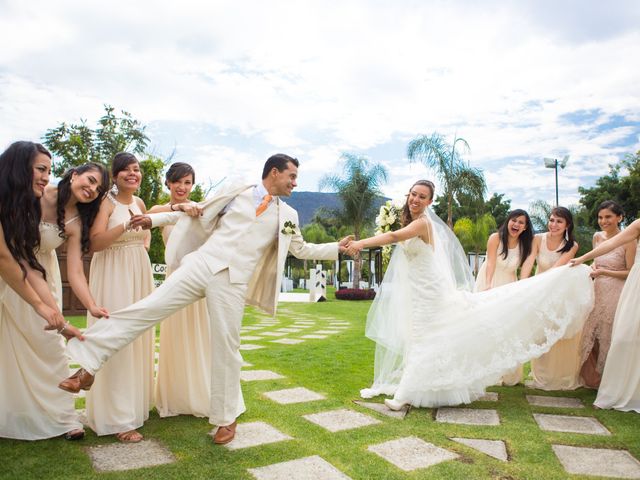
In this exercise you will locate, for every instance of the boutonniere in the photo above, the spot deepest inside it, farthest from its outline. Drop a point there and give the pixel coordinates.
(289, 228)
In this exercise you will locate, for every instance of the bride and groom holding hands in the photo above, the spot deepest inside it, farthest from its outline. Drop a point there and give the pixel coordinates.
(426, 325)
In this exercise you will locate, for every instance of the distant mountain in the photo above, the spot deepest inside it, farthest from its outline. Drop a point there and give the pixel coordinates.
(306, 203)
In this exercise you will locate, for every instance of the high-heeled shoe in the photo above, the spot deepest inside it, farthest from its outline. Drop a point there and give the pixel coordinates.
(394, 405)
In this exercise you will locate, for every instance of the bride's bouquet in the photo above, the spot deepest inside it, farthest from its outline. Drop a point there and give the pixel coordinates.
(388, 219)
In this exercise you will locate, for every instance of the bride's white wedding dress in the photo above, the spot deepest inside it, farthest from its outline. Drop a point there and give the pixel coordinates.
(438, 345)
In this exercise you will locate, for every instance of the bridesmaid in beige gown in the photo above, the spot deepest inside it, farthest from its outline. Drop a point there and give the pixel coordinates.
(559, 368)
(620, 385)
(122, 395)
(507, 250)
(609, 272)
(31, 357)
(184, 366)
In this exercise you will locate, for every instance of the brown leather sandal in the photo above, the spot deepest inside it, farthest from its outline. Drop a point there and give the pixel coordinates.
(132, 436)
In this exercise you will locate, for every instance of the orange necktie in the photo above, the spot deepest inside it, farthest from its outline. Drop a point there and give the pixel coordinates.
(263, 206)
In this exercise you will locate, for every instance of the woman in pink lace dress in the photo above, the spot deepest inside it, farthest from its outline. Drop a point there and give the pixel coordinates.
(610, 272)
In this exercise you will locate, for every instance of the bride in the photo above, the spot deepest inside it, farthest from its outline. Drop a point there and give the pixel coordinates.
(438, 343)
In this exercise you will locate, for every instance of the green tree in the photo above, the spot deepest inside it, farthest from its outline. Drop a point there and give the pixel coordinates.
(77, 143)
(357, 188)
(474, 234)
(315, 233)
(621, 184)
(456, 176)
(474, 208)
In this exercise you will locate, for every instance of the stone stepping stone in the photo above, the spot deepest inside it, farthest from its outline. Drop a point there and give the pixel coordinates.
(255, 433)
(411, 453)
(342, 419)
(468, 416)
(493, 448)
(295, 325)
(308, 468)
(569, 424)
(293, 395)
(273, 334)
(287, 341)
(80, 394)
(251, 375)
(244, 364)
(313, 336)
(290, 330)
(559, 402)
(384, 410)
(489, 397)
(329, 332)
(252, 327)
(120, 456)
(251, 337)
(597, 461)
(250, 346)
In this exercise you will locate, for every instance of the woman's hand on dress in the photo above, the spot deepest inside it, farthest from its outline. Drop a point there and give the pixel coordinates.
(576, 261)
(98, 312)
(69, 331)
(140, 221)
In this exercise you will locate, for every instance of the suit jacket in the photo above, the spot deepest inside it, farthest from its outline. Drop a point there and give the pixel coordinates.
(190, 233)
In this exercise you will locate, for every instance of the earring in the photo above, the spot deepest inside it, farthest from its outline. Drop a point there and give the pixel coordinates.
(71, 181)
(566, 235)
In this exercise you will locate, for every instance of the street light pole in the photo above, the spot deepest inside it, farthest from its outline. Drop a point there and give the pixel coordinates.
(554, 163)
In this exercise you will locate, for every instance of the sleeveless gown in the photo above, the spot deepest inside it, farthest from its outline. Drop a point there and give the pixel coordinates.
(32, 360)
(122, 394)
(441, 346)
(184, 366)
(505, 272)
(600, 323)
(559, 369)
(620, 385)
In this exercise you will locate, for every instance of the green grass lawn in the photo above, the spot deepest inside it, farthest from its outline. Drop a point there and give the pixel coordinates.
(337, 367)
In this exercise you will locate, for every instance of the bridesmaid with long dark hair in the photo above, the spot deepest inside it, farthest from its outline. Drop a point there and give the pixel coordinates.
(507, 250)
(558, 369)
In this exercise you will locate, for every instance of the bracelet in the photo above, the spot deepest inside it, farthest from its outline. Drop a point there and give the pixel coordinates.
(64, 327)
(171, 207)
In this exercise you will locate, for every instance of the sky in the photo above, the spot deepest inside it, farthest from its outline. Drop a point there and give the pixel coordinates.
(225, 84)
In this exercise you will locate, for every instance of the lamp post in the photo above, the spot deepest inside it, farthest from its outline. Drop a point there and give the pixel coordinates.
(555, 163)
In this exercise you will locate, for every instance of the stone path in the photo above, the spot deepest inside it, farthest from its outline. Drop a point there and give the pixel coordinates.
(408, 453)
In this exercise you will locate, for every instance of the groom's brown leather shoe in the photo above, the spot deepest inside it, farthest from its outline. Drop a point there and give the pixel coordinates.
(81, 380)
(225, 434)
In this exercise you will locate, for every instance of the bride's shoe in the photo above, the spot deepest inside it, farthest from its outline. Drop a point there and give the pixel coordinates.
(394, 404)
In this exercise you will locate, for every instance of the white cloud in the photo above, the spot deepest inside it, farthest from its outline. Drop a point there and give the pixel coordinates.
(243, 81)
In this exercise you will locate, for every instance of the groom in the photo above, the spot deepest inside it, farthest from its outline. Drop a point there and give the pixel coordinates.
(238, 250)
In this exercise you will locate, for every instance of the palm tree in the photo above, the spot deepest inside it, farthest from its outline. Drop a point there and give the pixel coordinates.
(474, 235)
(357, 189)
(456, 176)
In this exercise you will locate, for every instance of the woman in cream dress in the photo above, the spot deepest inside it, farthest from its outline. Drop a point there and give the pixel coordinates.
(184, 366)
(620, 385)
(609, 272)
(122, 395)
(559, 368)
(507, 250)
(31, 407)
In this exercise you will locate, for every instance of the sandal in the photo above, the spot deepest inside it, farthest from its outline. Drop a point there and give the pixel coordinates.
(77, 434)
(132, 436)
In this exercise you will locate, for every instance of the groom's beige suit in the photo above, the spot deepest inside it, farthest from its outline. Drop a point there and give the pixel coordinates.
(231, 257)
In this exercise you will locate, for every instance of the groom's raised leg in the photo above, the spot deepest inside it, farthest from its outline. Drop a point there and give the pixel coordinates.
(108, 336)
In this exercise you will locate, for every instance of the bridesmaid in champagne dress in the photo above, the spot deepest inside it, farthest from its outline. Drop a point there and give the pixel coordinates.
(122, 395)
(609, 272)
(182, 383)
(620, 385)
(507, 250)
(31, 357)
(559, 368)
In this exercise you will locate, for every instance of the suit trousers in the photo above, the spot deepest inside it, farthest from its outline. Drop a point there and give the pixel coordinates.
(192, 281)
